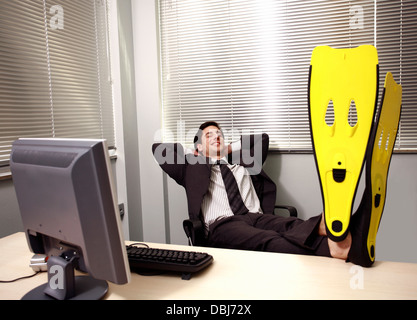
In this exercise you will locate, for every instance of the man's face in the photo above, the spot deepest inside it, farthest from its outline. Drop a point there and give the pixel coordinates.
(212, 143)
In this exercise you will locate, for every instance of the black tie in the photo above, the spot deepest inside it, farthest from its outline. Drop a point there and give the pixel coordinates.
(233, 194)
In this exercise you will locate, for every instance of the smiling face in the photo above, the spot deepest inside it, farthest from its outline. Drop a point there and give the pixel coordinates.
(212, 143)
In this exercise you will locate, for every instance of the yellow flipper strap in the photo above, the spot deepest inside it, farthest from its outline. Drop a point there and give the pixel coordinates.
(385, 136)
(343, 91)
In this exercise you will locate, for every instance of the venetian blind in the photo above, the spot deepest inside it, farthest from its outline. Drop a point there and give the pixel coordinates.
(245, 63)
(396, 41)
(54, 71)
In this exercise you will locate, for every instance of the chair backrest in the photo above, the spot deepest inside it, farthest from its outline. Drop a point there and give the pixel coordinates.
(343, 90)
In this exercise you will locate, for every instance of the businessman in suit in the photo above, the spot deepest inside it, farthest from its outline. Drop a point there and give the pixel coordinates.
(243, 220)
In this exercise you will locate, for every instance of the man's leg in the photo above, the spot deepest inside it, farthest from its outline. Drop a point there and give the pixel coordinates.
(269, 233)
(308, 233)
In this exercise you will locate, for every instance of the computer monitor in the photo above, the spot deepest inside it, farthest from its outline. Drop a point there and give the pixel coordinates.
(66, 197)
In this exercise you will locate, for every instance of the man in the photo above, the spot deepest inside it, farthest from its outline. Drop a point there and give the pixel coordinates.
(200, 172)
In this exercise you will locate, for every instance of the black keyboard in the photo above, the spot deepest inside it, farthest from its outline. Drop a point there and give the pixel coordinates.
(153, 259)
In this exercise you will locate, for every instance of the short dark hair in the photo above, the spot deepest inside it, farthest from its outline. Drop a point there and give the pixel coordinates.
(197, 137)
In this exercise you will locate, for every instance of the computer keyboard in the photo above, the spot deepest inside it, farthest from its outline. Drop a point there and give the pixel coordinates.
(154, 259)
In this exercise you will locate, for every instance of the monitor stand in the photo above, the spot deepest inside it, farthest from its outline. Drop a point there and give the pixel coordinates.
(64, 285)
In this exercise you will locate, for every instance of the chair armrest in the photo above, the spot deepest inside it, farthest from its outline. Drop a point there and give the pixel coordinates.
(291, 210)
(194, 230)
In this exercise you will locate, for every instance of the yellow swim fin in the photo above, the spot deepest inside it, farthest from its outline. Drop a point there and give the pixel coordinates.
(385, 136)
(365, 222)
(343, 90)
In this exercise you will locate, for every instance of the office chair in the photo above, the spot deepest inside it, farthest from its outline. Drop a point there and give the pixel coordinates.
(342, 98)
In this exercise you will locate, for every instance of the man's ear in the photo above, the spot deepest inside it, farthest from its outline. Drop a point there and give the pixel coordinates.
(200, 147)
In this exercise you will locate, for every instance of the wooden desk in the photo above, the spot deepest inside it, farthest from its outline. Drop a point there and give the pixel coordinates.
(237, 274)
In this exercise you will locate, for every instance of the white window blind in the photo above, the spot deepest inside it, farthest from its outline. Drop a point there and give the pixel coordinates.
(396, 34)
(54, 71)
(245, 63)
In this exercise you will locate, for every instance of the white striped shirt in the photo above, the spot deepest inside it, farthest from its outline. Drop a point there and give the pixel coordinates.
(215, 204)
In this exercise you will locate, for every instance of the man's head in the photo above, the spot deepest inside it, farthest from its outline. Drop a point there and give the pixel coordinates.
(209, 140)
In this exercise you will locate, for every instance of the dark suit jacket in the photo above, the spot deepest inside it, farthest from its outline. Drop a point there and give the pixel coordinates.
(193, 172)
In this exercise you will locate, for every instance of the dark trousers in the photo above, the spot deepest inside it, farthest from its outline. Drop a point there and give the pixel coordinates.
(267, 232)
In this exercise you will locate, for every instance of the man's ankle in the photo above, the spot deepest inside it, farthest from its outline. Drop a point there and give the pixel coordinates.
(340, 250)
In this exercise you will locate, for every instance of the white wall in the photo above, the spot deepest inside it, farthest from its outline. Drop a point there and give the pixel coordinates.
(148, 118)
(397, 236)
(119, 166)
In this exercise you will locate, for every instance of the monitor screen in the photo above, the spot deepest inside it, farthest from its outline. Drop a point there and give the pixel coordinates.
(67, 202)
